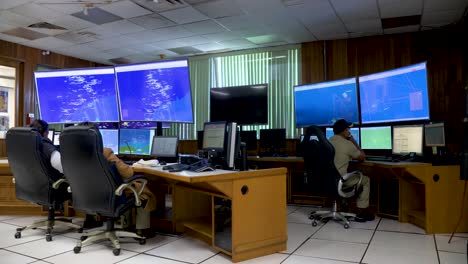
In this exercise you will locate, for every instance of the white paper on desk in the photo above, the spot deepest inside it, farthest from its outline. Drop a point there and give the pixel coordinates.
(148, 163)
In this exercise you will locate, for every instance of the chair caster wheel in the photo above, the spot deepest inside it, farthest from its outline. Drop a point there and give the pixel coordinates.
(116, 251)
(142, 241)
(48, 238)
(314, 223)
(18, 235)
(346, 226)
(311, 217)
(83, 238)
(77, 250)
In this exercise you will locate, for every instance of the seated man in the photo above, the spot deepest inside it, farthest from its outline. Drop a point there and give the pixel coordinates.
(52, 156)
(346, 148)
(147, 197)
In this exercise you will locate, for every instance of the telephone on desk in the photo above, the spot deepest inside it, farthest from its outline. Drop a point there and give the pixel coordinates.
(199, 166)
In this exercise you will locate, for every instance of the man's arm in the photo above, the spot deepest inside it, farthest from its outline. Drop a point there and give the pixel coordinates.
(361, 156)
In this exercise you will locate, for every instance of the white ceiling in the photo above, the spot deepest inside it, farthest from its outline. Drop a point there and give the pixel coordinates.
(133, 31)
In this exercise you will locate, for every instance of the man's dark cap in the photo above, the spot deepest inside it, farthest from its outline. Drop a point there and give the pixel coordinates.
(340, 126)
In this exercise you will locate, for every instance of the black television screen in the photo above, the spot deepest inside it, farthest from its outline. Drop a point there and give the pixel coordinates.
(245, 105)
(77, 95)
(250, 139)
(395, 95)
(321, 104)
(273, 138)
(156, 91)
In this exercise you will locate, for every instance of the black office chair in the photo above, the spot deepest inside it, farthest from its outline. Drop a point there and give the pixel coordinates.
(35, 179)
(322, 175)
(96, 186)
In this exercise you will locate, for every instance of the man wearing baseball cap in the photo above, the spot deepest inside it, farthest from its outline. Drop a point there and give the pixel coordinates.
(346, 149)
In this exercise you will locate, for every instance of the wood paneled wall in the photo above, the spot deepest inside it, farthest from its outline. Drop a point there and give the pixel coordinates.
(27, 60)
(445, 53)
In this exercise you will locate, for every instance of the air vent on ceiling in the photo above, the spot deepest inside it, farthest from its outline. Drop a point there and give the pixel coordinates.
(395, 22)
(45, 25)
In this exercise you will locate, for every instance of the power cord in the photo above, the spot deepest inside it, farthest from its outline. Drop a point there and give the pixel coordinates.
(461, 213)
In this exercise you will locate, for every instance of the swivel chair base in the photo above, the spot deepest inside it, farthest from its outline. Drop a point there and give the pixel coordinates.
(110, 234)
(333, 214)
(49, 223)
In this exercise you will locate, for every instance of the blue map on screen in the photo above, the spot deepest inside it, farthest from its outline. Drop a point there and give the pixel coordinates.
(323, 103)
(143, 124)
(158, 94)
(135, 141)
(396, 95)
(77, 95)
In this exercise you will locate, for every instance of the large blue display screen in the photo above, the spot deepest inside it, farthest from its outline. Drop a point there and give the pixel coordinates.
(395, 95)
(323, 103)
(157, 91)
(78, 95)
(135, 141)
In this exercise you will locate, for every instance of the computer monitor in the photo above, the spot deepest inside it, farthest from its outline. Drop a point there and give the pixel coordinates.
(110, 139)
(272, 140)
(135, 141)
(407, 139)
(395, 95)
(56, 138)
(321, 104)
(354, 132)
(144, 124)
(434, 135)
(245, 105)
(50, 135)
(155, 91)
(200, 139)
(77, 95)
(214, 134)
(250, 139)
(164, 146)
(376, 138)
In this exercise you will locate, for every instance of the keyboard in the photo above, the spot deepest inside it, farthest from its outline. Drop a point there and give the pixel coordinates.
(380, 158)
(129, 162)
(199, 166)
(176, 167)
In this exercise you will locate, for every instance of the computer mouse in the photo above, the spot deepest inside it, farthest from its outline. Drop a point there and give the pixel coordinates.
(166, 167)
(162, 163)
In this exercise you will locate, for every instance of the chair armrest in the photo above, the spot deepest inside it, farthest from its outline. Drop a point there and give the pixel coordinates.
(128, 184)
(57, 183)
(343, 179)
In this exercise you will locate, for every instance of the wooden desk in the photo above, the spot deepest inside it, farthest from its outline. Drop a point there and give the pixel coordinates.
(258, 208)
(429, 196)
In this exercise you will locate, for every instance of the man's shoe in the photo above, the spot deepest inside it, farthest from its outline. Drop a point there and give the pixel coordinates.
(364, 217)
(147, 233)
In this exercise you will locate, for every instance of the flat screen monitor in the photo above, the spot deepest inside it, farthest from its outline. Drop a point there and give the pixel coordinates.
(144, 124)
(135, 141)
(396, 95)
(214, 134)
(156, 91)
(56, 138)
(354, 131)
(245, 105)
(110, 139)
(273, 138)
(434, 135)
(321, 104)
(50, 135)
(250, 139)
(376, 137)
(77, 95)
(164, 146)
(407, 139)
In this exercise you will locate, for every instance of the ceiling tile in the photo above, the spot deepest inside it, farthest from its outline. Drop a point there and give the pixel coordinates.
(49, 43)
(5, 26)
(441, 18)
(97, 16)
(168, 44)
(159, 6)
(209, 46)
(219, 8)
(126, 9)
(195, 40)
(121, 27)
(445, 5)
(350, 11)
(227, 35)
(64, 8)
(113, 42)
(401, 29)
(185, 50)
(7, 4)
(145, 36)
(36, 11)
(265, 39)
(204, 27)
(313, 12)
(184, 15)
(252, 31)
(235, 43)
(336, 28)
(121, 52)
(153, 21)
(362, 26)
(252, 7)
(146, 48)
(399, 8)
(12, 39)
(24, 33)
(362, 34)
(71, 22)
(172, 33)
(11, 18)
(78, 37)
(238, 22)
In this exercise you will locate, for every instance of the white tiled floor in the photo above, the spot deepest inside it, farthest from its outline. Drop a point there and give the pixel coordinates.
(377, 242)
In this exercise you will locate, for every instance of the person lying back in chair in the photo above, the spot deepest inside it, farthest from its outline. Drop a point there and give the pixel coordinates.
(147, 197)
(346, 149)
(53, 157)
